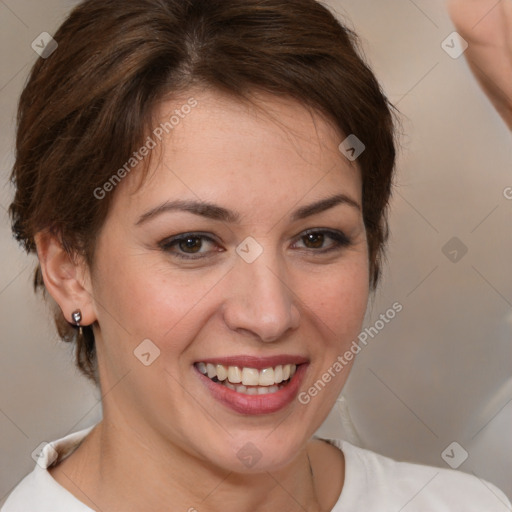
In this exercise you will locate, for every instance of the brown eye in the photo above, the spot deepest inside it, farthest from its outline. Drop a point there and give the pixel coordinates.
(314, 240)
(323, 241)
(191, 244)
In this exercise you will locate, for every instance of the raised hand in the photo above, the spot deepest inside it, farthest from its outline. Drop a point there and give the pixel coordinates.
(487, 26)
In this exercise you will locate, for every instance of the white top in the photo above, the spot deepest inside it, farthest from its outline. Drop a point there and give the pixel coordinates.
(373, 483)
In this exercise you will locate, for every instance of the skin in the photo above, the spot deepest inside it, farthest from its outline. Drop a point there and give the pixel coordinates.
(163, 438)
(487, 27)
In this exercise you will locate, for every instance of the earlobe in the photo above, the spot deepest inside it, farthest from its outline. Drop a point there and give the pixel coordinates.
(66, 278)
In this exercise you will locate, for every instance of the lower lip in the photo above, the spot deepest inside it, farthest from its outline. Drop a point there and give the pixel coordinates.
(256, 404)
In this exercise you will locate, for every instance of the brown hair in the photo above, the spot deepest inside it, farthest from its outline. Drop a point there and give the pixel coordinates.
(90, 104)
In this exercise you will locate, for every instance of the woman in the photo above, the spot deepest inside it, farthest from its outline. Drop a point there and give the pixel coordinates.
(205, 184)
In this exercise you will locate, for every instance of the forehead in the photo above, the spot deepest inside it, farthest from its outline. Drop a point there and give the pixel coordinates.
(271, 152)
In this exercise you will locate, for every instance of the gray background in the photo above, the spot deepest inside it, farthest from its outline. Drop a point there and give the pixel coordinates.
(440, 371)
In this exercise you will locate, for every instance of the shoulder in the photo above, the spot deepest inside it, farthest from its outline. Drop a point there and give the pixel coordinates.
(377, 483)
(38, 491)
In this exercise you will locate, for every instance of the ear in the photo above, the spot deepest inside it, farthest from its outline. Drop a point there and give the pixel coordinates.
(66, 278)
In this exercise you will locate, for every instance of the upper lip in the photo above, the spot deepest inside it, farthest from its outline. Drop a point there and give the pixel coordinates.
(255, 361)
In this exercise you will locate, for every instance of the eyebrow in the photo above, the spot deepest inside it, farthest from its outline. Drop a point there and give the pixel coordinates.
(215, 212)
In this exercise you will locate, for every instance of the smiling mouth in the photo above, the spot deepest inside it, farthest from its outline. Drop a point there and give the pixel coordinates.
(249, 381)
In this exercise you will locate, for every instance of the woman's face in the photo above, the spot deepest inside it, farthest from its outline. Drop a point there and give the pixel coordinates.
(259, 274)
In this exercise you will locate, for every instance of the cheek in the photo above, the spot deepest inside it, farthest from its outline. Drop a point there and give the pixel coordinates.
(339, 301)
(148, 299)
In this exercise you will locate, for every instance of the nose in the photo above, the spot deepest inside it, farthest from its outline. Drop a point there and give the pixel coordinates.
(260, 303)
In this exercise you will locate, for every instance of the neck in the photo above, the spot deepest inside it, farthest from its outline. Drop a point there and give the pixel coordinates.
(124, 469)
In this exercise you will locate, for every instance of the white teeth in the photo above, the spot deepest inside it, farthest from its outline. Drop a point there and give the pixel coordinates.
(253, 390)
(212, 371)
(250, 376)
(234, 375)
(270, 389)
(278, 374)
(268, 377)
(222, 372)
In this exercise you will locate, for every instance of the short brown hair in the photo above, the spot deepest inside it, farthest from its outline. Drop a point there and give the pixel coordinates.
(90, 104)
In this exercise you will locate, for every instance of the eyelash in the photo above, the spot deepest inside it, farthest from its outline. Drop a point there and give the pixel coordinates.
(339, 238)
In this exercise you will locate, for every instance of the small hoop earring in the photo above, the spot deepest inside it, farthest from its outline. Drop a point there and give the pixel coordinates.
(77, 318)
